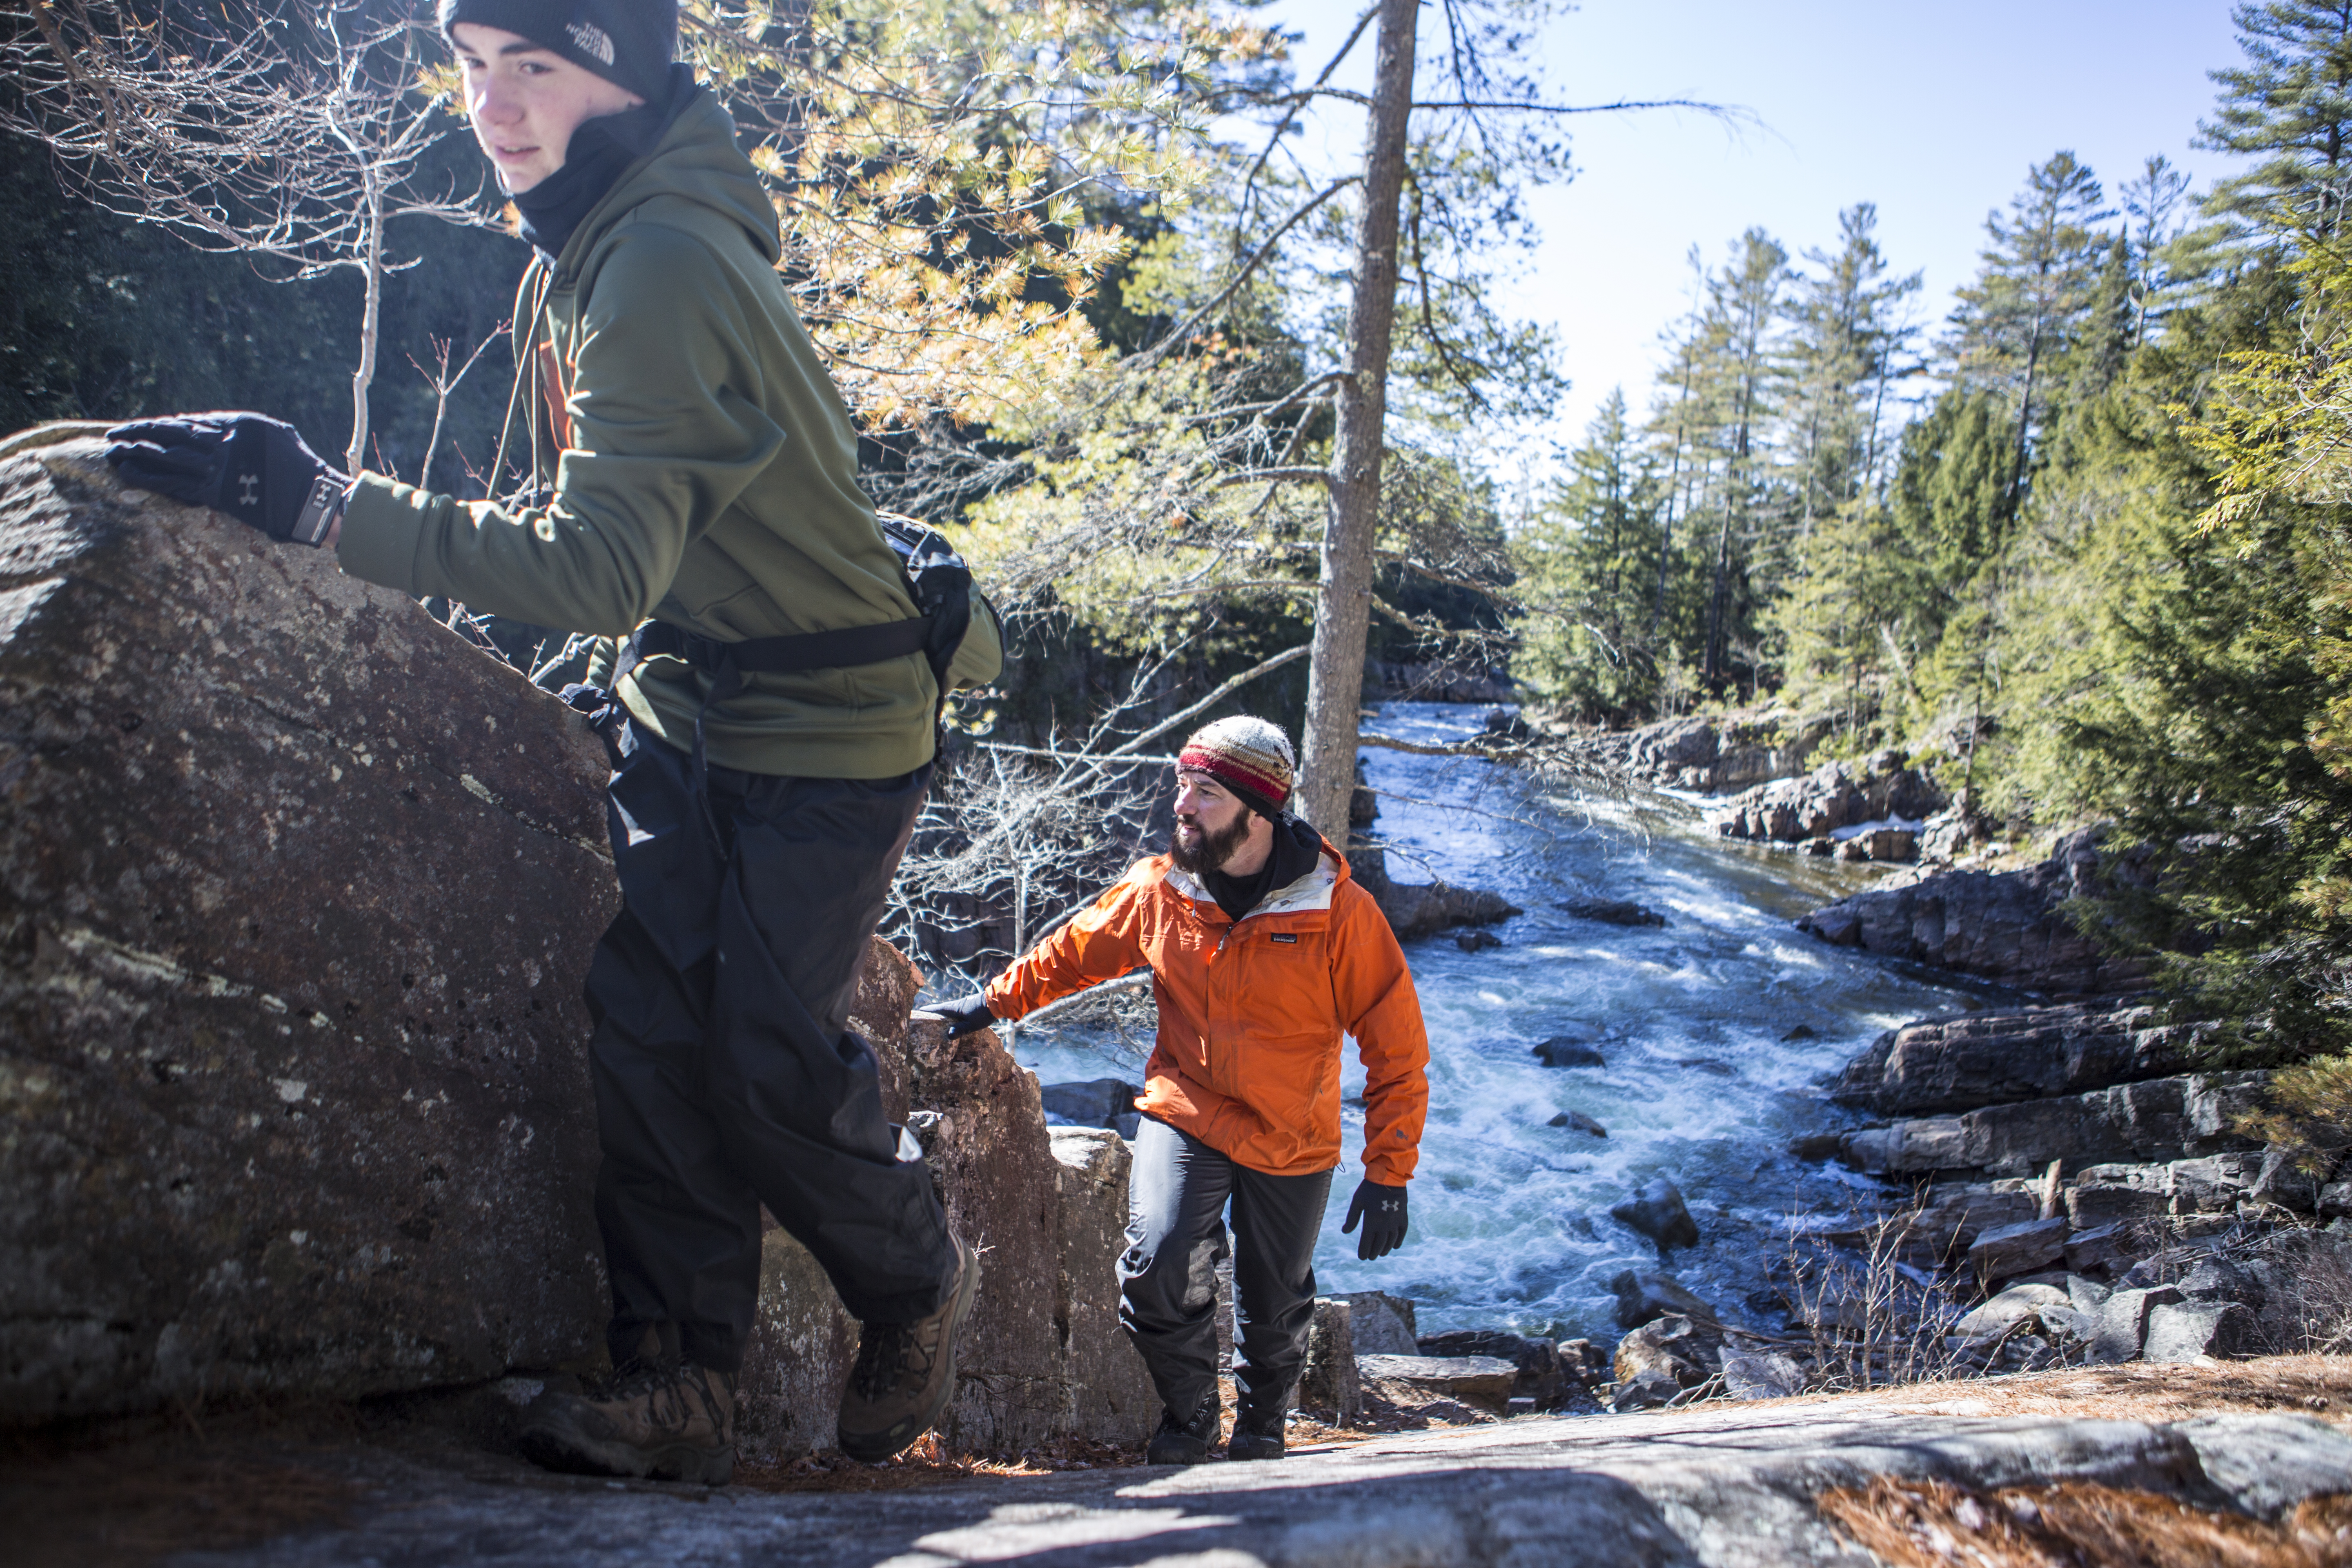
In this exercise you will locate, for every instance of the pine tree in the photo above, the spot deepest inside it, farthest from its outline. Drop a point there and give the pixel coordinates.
(1587, 563)
(2028, 306)
(2289, 107)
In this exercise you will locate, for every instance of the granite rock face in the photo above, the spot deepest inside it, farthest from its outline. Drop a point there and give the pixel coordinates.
(297, 892)
(1940, 1066)
(2004, 926)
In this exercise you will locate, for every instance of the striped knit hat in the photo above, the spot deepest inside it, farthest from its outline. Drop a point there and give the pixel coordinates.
(1248, 756)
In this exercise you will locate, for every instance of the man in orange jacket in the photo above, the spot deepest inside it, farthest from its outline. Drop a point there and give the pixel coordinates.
(1264, 951)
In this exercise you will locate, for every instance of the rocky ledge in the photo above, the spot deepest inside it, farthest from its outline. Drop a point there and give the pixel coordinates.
(2004, 926)
(1751, 1486)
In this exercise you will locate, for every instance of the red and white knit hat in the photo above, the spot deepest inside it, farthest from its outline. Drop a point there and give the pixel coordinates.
(1248, 756)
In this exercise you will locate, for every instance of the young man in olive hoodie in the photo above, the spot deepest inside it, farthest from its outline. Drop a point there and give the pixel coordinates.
(700, 478)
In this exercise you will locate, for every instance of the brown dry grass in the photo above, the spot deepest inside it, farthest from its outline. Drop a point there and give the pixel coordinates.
(2317, 1386)
(1912, 1523)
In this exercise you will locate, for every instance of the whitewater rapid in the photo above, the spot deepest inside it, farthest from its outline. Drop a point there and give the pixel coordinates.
(1702, 1083)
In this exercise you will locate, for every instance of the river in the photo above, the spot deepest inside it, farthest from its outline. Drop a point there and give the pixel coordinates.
(1510, 1225)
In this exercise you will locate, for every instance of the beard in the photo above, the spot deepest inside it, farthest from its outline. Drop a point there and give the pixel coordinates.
(1212, 850)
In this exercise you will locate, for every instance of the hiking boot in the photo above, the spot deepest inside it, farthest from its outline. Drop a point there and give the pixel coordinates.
(1256, 1437)
(669, 1421)
(1185, 1442)
(905, 1373)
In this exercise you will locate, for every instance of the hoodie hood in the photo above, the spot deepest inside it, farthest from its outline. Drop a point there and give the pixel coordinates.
(694, 159)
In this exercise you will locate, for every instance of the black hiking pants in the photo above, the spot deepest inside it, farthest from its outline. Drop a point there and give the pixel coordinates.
(1177, 1199)
(725, 1078)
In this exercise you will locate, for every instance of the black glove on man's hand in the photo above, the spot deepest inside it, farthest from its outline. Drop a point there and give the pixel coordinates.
(1382, 1211)
(252, 466)
(964, 1015)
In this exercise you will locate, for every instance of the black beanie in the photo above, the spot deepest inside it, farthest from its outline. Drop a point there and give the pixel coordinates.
(629, 42)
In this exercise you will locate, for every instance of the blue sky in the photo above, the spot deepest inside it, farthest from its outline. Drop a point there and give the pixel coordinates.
(1935, 113)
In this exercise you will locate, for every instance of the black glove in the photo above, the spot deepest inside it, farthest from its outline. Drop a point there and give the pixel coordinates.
(252, 466)
(964, 1015)
(1382, 1211)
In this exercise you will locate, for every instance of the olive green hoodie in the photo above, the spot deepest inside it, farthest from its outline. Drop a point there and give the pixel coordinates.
(704, 473)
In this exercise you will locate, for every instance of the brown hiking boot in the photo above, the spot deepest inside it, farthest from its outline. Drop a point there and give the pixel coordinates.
(669, 1422)
(905, 1373)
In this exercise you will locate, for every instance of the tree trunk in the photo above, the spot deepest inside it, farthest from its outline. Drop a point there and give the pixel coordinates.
(372, 264)
(1335, 685)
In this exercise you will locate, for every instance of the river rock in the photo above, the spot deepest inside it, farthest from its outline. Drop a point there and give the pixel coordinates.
(2012, 1307)
(1420, 910)
(1476, 941)
(1658, 1212)
(300, 1105)
(1567, 1051)
(2015, 1249)
(1613, 912)
(1831, 798)
(2159, 1119)
(1542, 1380)
(1749, 1375)
(1483, 1383)
(1577, 1122)
(1715, 753)
(1097, 1102)
(2121, 1324)
(1662, 1358)
(2098, 1251)
(1330, 1383)
(1947, 1065)
(1643, 1295)
(1380, 1323)
(2184, 1331)
(2004, 926)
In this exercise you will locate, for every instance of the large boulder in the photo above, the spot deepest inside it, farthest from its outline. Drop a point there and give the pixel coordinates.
(1423, 909)
(297, 892)
(1947, 1065)
(2005, 926)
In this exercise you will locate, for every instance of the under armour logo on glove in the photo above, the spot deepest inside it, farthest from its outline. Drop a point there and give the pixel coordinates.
(1383, 1210)
(280, 486)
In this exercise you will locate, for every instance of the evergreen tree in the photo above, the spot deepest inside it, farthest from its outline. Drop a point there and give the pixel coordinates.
(2289, 108)
(1588, 561)
(2027, 307)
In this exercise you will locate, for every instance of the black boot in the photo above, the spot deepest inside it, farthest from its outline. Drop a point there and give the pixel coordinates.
(1186, 1442)
(1257, 1436)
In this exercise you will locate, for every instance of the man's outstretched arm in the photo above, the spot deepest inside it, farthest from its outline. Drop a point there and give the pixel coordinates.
(1101, 943)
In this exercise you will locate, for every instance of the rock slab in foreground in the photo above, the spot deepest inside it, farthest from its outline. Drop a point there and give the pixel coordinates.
(1729, 1487)
(297, 892)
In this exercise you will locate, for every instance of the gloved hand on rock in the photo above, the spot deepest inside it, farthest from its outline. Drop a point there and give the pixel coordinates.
(1382, 1211)
(961, 1016)
(254, 468)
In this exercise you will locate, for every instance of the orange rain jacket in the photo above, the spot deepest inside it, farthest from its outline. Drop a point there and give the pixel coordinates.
(1250, 1012)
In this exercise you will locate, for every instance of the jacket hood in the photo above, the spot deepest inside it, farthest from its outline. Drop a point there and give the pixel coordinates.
(696, 160)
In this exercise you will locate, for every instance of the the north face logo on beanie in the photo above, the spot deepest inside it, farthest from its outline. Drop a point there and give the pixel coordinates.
(592, 39)
(630, 42)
